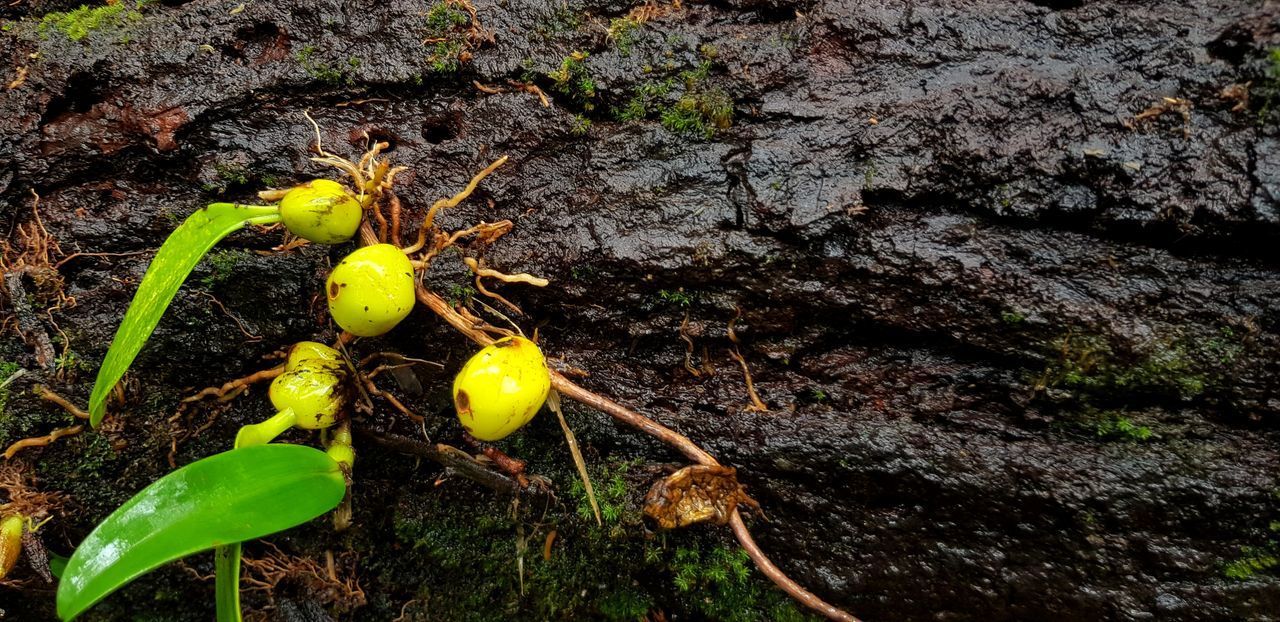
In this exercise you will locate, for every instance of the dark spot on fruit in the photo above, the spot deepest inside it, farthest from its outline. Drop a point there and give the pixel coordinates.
(505, 343)
(366, 307)
(333, 290)
(463, 404)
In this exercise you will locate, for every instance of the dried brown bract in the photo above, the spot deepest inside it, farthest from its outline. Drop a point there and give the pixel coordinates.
(696, 494)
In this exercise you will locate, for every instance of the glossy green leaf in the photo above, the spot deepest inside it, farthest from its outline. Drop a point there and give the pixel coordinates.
(234, 496)
(173, 262)
(57, 564)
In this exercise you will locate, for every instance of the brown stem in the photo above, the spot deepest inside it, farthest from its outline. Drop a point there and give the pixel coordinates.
(456, 459)
(668, 436)
(780, 578)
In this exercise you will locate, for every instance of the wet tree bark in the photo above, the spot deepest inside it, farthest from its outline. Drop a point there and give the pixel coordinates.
(1007, 274)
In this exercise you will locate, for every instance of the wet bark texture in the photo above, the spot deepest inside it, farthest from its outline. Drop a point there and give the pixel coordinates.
(1019, 348)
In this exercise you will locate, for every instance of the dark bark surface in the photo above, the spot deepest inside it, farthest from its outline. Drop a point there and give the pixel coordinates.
(1018, 339)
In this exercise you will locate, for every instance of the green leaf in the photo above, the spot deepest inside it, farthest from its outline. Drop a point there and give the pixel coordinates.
(173, 262)
(233, 496)
(57, 564)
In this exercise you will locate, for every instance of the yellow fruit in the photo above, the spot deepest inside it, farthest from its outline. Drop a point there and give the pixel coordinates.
(501, 388)
(307, 350)
(10, 542)
(313, 388)
(371, 290)
(321, 211)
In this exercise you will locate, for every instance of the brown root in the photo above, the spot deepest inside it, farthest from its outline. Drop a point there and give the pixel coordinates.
(49, 396)
(333, 583)
(41, 441)
(429, 221)
(230, 390)
(22, 495)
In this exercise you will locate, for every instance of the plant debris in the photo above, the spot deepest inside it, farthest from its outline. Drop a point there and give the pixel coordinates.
(696, 494)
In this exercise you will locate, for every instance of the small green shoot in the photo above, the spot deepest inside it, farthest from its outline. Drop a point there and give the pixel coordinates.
(677, 297)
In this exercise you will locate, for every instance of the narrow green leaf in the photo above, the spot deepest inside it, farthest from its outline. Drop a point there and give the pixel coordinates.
(173, 262)
(234, 496)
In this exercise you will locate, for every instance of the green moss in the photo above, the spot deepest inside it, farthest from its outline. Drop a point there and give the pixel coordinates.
(581, 125)
(232, 174)
(612, 495)
(80, 23)
(583, 272)
(1181, 366)
(7, 370)
(459, 295)
(222, 264)
(625, 604)
(573, 78)
(647, 99)
(623, 31)
(1012, 318)
(699, 110)
(1252, 560)
(721, 586)
(70, 362)
(446, 37)
(619, 572)
(321, 70)
(446, 56)
(562, 20)
(443, 17)
(1116, 426)
(82, 476)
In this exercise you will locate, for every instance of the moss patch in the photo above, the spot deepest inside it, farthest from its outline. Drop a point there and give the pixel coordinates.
(333, 74)
(1181, 367)
(446, 36)
(1117, 426)
(573, 78)
(685, 104)
(80, 23)
(622, 32)
(222, 264)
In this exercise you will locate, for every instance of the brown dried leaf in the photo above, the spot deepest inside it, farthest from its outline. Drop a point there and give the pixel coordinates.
(696, 494)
